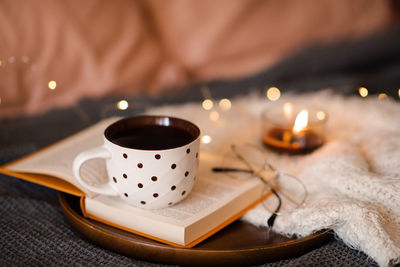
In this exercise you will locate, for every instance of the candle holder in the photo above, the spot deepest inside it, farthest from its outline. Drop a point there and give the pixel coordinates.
(293, 131)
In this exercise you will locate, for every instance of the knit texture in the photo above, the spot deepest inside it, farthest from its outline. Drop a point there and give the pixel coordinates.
(353, 180)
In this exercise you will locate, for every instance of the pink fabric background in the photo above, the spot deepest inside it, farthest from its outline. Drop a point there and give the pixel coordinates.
(96, 47)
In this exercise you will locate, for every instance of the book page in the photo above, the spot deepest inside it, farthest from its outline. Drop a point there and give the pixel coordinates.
(211, 190)
(206, 196)
(214, 199)
(56, 160)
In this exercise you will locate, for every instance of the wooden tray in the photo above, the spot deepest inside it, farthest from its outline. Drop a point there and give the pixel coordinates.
(240, 243)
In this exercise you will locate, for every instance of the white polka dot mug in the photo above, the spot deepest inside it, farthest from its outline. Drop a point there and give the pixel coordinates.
(151, 161)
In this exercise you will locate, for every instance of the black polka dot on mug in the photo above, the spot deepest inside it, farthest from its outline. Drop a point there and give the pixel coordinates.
(125, 156)
(188, 151)
(125, 176)
(140, 165)
(143, 202)
(157, 156)
(183, 193)
(154, 178)
(186, 174)
(173, 166)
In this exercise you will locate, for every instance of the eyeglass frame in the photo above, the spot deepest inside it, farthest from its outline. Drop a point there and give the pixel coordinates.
(276, 174)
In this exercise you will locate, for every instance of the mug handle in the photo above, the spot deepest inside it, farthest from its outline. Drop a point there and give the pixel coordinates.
(98, 152)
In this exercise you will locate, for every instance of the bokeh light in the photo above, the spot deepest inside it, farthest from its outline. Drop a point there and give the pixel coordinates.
(122, 105)
(52, 85)
(207, 104)
(321, 115)
(382, 96)
(206, 139)
(225, 104)
(363, 91)
(273, 93)
(214, 115)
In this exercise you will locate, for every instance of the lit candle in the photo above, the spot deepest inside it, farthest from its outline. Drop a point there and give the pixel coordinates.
(301, 136)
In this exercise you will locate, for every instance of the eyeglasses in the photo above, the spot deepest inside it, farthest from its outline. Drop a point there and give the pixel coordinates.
(250, 161)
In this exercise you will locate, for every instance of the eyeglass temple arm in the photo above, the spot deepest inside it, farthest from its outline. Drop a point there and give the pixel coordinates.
(220, 169)
(271, 219)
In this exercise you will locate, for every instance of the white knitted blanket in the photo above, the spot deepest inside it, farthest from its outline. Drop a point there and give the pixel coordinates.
(353, 180)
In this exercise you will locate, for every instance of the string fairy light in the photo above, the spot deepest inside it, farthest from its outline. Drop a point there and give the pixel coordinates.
(52, 85)
(206, 139)
(321, 115)
(363, 91)
(273, 93)
(122, 105)
(225, 104)
(207, 104)
(382, 96)
(214, 115)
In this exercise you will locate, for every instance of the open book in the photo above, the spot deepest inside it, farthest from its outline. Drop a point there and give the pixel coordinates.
(215, 201)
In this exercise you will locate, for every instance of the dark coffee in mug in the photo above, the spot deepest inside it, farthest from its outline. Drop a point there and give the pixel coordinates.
(152, 133)
(153, 137)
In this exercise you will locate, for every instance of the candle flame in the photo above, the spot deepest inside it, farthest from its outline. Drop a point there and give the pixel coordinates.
(288, 110)
(301, 121)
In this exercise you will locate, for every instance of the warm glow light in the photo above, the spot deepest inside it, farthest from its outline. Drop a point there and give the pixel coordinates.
(321, 115)
(25, 59)
(363, 91)
(52, 85)
(214, 115)
(0, 100)
(206, 139)
(207, 104)
(301, 121)
(1, 62)
(398, 92)
(288, 110)
(122, 105)
(225, 104)
(273, 94)
(382, 96)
